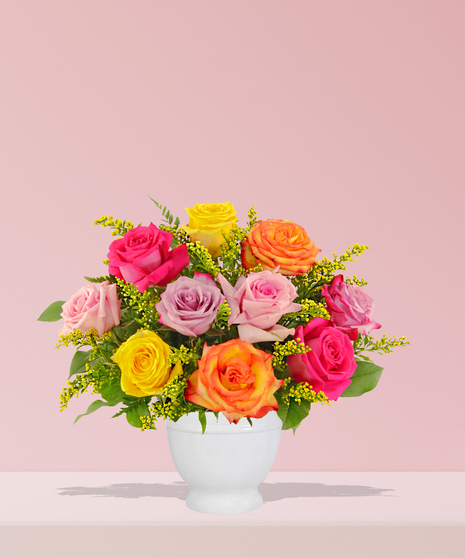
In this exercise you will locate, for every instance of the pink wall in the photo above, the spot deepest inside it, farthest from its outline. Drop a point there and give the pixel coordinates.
(347, 117)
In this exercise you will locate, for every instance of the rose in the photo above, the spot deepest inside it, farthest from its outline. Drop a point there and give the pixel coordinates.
(275, 243)
(92, 307)
(257, 302)
(143, 360)
(236, 379)
(208, 222)
(350, 307)
(143, 257)
(330, 364)
(190, 305)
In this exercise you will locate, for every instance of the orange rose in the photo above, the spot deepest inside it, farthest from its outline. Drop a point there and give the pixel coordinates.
(236, 379)
(275, 242)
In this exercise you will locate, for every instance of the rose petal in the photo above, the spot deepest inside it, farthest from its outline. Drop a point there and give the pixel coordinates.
(253, 334)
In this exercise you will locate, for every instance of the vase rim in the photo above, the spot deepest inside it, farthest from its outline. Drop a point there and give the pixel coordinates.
(191, 423)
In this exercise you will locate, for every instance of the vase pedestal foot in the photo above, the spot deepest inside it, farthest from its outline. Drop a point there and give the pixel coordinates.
(224, 501)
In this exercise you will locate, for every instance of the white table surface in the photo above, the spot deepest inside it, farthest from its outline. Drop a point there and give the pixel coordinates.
(290, 499)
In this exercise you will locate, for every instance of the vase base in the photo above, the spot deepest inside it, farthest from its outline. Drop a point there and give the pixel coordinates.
(224, 502)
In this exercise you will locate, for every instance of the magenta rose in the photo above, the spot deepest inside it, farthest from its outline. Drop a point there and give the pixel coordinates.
(330, 364)
(190, 305)
(257, 302)
(95, 306)
(350, 307)
(143, 257)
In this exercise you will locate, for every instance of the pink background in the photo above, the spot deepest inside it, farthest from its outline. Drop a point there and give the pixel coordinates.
(346, 117)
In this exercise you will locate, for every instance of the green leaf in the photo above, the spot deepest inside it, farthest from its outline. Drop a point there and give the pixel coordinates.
(177, 222)
(97, 279)
(52, 313)
(123, 332)
(156, 203)
(129, 399)
(364, 357)
(249, 421)
(203, 420)
(78, 364)
(365, 378)
(132, 416)
(127, 315)
(134, 413)
(95, 406)
(281, 374)
(294, 413)
(111, 391)
(143, 409)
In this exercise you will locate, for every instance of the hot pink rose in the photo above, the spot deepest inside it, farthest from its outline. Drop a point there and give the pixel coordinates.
(350, 307)
(143, 257)
(330, 364)
(190, 305)
(95, 306)
(257, 302)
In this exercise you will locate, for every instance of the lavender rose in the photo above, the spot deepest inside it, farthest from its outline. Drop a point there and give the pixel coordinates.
(190, 305)
(257, 302)
(350, 307)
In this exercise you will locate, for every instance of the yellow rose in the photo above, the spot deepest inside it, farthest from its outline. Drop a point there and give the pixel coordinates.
(208, 222)
(143, 360)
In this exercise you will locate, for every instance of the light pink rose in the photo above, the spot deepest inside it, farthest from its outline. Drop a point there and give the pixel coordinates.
(190, 305)
(350, 307)
(143, 257)
(95, 306)
(257, 302)
(330, 364)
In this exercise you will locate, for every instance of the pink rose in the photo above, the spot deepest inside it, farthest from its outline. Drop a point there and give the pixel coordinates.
(143, 257)
(330, 364)
(95, 306)
(257, 302)
(190, 305)
(350, 307)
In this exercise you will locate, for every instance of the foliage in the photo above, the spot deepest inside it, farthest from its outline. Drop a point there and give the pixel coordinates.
(110, 278)
(167, 216)
(295, 401)
(53, 312)
(364, 379)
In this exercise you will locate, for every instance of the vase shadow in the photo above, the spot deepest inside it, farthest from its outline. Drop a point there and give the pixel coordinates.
(177, 489)
(271, 492)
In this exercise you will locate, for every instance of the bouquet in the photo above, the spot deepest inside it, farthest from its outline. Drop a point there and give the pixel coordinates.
(214, 317)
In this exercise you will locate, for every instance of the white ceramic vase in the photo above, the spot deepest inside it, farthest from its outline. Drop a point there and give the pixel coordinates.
(224, 466)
